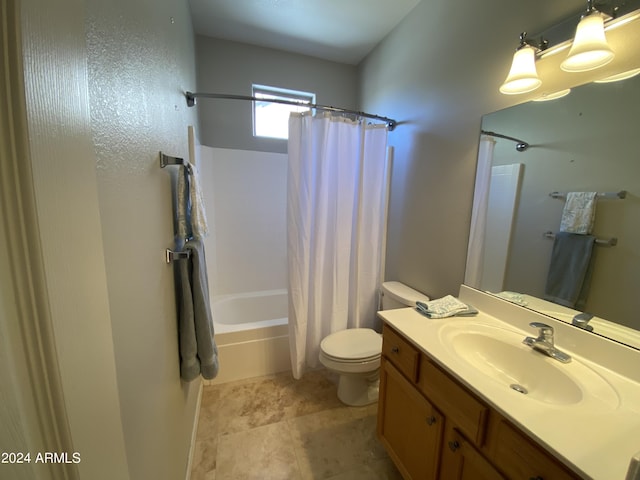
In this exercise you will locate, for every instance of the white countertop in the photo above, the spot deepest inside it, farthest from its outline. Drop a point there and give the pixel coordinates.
(596, 438)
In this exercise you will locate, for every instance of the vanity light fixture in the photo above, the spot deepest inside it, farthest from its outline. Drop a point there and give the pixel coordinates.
(619, 76)
(589, 49)
(522, 77)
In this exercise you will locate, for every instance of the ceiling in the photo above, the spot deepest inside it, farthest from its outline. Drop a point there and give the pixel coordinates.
(343, 31)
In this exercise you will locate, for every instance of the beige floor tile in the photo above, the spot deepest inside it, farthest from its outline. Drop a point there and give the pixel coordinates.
(335, 441)
(275, 427)
(204, 458)
(247, 405)
(262, 453)
(379, 470)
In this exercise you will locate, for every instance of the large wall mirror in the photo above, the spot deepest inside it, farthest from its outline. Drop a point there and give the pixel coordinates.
(586, 141)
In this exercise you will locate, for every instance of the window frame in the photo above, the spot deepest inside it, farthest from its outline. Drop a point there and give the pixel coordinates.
(279, 93)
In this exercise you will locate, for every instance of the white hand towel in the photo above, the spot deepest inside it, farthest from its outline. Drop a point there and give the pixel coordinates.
(182, 205)
(199, 226)
(443, 307)
(579, 213)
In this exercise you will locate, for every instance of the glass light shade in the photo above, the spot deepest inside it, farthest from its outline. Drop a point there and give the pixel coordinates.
(523, 76)
(619, 76)
(552, 96)
(589, 49)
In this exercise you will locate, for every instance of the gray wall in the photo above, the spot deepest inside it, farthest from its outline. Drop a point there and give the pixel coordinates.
(141, 59)
(437, 73)
(231, 67)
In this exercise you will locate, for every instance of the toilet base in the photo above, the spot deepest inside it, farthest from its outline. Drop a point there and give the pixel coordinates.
(358, 390)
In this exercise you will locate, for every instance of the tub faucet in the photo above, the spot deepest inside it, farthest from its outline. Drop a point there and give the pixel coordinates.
(544, 343)
(582, 320)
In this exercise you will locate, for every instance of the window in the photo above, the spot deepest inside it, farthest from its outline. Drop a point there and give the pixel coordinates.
(272, 119)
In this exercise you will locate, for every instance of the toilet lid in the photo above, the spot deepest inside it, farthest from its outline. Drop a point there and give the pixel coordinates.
(353, 344)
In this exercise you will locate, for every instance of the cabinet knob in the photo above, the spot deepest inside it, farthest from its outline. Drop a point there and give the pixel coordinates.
(536, 478)
(454, 445)
(431, 420)
(395, 349)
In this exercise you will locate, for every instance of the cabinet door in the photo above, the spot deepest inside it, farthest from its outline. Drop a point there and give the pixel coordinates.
(461, 461)
(408, 426)
(519, 457)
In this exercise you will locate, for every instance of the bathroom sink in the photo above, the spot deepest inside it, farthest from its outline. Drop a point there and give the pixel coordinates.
(499, 354)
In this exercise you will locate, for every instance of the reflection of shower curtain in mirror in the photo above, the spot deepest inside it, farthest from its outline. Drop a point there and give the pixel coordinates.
(473, 274)
(336, 211)
(503, 196)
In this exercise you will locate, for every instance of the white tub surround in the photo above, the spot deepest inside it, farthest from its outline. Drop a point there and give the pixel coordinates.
(252, 334)
(249, 310)
(592, 427)
(252, 353)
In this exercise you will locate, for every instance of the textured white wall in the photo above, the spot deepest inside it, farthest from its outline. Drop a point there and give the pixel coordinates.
(141, 59)
(64, 177)
(104, 86)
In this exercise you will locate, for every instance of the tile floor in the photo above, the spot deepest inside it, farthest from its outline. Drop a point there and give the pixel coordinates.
(275, 427)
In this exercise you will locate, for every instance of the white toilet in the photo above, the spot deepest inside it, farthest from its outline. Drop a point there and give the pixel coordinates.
(354, 354)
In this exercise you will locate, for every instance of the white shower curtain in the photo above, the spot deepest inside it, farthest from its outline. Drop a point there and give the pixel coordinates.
(475, 250)
(336, 210)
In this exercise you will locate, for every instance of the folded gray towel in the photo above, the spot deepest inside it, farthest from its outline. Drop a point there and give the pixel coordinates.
(570, 270)
(198, 350)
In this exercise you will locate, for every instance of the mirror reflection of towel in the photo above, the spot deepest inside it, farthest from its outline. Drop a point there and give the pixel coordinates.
(579, 212)
(570, 270)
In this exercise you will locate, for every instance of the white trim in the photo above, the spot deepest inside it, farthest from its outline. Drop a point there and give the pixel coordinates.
(194, 433)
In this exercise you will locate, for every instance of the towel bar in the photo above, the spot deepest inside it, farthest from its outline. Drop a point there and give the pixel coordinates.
(170, 255)
(611, 242)
(169, 160)
(608, 195)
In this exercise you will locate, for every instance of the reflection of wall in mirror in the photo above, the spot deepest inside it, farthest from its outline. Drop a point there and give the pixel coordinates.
(584, 142)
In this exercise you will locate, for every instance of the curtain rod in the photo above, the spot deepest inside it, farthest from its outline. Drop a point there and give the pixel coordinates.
(521, 145)
(191, 101)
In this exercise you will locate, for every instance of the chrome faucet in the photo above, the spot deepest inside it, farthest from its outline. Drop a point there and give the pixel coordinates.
(582, 320)
(544, 343)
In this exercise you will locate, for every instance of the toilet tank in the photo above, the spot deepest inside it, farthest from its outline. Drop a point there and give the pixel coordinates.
(399, 295)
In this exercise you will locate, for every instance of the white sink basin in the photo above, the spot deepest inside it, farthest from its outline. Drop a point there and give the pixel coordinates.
(499, 354)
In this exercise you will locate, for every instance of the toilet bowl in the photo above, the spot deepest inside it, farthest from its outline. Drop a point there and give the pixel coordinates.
(354, 354)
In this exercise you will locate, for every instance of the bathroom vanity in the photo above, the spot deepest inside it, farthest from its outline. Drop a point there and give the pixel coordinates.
(463, 397)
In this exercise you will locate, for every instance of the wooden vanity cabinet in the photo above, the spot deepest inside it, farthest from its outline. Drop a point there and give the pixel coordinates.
(462, 461)
(409, 427)
(519, 457)
(433, 427)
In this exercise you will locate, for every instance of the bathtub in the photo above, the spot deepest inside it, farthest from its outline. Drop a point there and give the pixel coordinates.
(252, 334)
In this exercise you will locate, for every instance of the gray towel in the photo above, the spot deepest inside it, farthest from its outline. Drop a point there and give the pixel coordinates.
(198, 350)
(570, 270)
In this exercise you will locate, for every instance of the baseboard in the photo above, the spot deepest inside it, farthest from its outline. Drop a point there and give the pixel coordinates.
(194, 433)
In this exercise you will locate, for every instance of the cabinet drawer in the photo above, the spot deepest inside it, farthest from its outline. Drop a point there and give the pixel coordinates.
(455, 402)
(400, 352)
(519, 457)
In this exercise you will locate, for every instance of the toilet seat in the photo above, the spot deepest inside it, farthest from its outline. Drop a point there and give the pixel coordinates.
(355, 345)
(355, 360)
